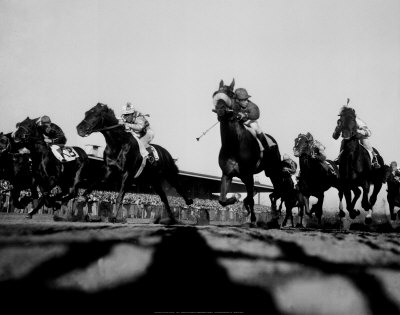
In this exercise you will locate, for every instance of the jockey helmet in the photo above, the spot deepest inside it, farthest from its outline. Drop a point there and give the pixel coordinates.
(44, 120)
(128, 109)
(241, 94)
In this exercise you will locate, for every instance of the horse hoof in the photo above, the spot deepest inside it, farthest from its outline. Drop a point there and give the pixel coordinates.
(342, 214)
(112, 219)
(299, 225)
(368, 220)
(273, 224)
(28, 216)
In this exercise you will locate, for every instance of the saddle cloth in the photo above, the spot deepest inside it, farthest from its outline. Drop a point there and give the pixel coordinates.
(69, 153)
(144, 153)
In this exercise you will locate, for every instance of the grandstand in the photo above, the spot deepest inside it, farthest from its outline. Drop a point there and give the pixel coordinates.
(198, 185)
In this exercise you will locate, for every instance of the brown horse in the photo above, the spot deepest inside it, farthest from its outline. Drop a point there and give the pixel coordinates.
(240, 155)
(314, 178)
(123, 160)
(355, 165)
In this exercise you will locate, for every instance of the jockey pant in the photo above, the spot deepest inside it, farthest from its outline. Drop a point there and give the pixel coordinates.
(148, 137)
(253, 124)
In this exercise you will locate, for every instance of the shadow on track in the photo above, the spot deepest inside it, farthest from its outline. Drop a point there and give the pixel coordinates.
(183, 275)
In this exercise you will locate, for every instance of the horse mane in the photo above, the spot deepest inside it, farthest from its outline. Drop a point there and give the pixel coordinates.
(347, 111)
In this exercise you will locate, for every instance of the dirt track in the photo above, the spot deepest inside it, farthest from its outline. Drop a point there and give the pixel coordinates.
(157, 269)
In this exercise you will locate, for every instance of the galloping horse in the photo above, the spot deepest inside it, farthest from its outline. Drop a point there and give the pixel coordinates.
(240, 155)
(48, 171)
(314, 179)
(355, 166)
(123, 159)
(15, 167)
(393, 192)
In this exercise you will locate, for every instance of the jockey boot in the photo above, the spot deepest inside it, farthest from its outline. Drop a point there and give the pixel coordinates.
(151, 157)
(263, 141)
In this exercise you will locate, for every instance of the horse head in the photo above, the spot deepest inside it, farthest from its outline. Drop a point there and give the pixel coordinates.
(346, 124)
(96, 119)
(224, 101)
(302, 144)
(26, 131)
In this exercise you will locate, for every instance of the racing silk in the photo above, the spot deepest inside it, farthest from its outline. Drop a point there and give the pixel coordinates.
(318, 151)
(139, 126)
(289, 166)
(394, 177)
(251, 112)
(362, 129)
(56, 135)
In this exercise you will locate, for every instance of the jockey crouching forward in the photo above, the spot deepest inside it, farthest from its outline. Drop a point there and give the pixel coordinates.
(318, 153)
(248, 114)
(363, 133)
(52, 134)
(137, 124)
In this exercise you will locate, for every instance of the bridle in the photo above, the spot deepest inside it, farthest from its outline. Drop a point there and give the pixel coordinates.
(93, 129)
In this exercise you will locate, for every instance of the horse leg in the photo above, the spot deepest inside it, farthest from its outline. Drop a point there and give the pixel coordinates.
(36, 208)
(318, 206)
(341, 212)
(159, 190)
(173, 179)
(365, 203)
(391, 207)
(120, 198)
(351, 203)
(248, 202)
(225, 185)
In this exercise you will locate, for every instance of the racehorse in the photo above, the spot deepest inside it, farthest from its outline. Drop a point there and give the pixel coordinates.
(240, 155)
(393, 192)
(291, 197)
(15, 167)
(355, 166)
(48, 171)
(123, 159)
(314, 179)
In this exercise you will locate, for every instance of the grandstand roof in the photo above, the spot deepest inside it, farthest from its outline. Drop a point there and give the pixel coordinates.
(209, 183)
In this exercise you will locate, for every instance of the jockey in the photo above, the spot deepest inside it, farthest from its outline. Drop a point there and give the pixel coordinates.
(52, 133)
(249, 113)
(395, 173)
(137, 124)
(363, 133)
(289, 166)
(318, 153)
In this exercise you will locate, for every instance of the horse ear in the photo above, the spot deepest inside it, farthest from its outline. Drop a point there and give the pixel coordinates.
(232, 84)
(221, 84)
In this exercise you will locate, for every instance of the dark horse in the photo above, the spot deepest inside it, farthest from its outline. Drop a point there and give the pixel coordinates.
(393, 192)
(314, 178)
(355, 165)
(48, 171)
(123, 159)
(15, 167)
(240, 155)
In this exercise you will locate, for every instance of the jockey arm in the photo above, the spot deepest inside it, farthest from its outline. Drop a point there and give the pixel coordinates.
(139, 125)
(362, 129)
(56, 135)
(251, 112)
(290, 166)
(318, 151)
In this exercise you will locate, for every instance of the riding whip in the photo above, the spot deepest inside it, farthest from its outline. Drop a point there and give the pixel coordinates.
(198, 138)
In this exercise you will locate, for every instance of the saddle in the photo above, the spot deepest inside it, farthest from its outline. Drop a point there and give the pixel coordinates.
(64, 154)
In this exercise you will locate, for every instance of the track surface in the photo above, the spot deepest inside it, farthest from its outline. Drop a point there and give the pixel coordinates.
(49, 267)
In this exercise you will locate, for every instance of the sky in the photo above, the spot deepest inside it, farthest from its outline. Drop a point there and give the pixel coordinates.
(299, 60)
